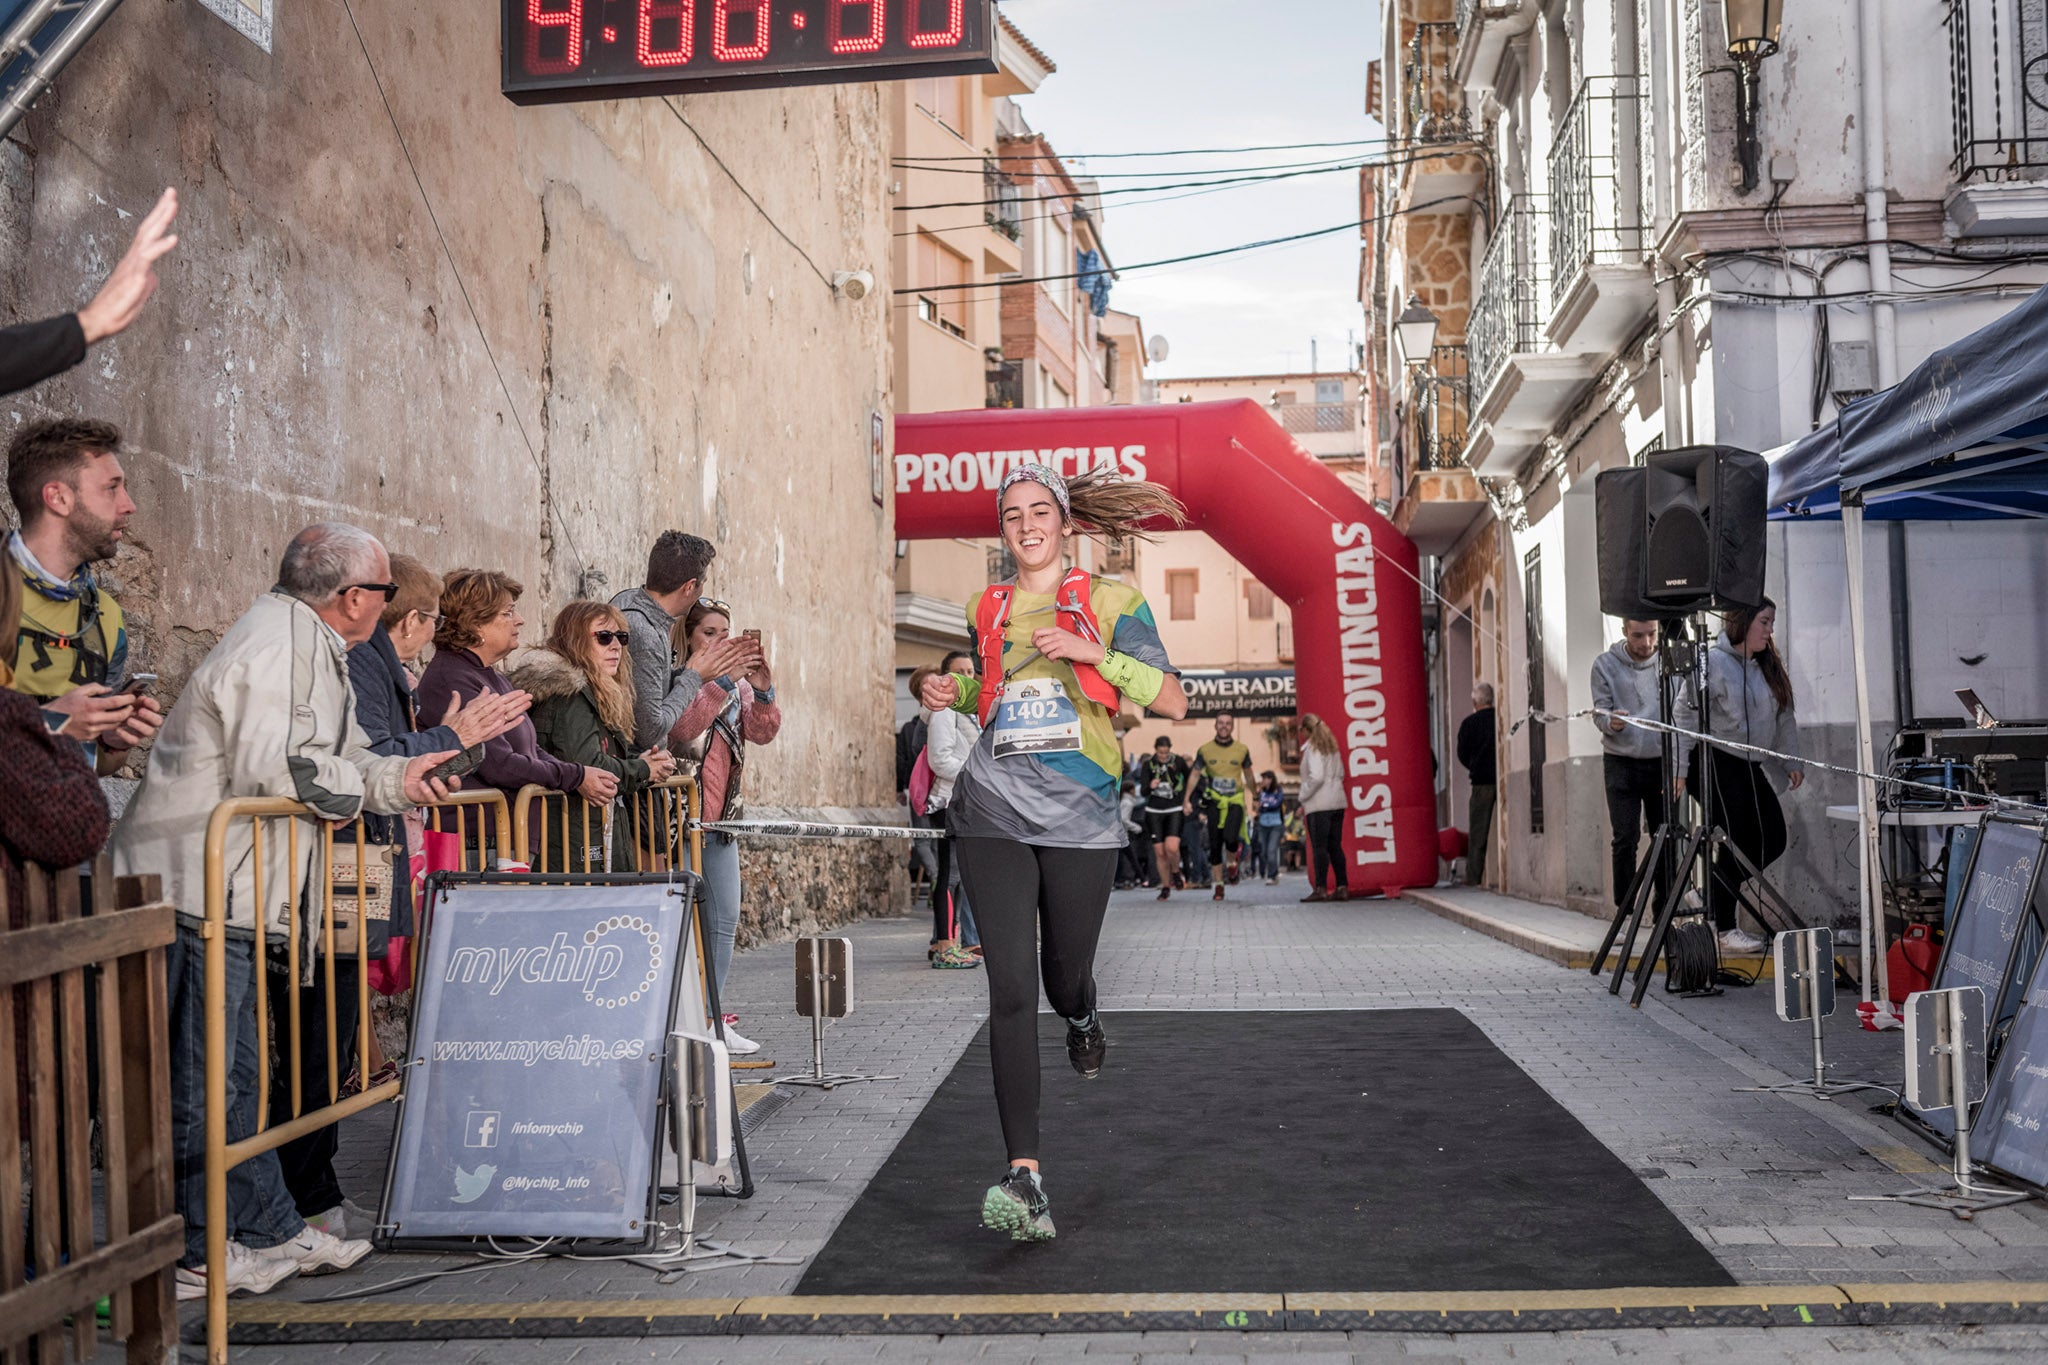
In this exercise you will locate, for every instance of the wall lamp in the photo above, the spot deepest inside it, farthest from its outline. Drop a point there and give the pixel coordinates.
(1753, 29)
(1416, 331)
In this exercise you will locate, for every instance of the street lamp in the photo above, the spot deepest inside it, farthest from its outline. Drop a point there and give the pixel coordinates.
(1416, 331)
(1753, 28)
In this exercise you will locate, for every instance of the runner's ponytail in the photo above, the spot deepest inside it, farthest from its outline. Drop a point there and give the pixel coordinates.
(1106, 504)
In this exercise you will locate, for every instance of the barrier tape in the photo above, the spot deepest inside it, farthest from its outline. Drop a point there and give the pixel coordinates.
(1972, 799)
(813, 829)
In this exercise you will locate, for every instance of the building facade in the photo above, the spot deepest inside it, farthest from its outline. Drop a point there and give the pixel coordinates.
(1617, 260)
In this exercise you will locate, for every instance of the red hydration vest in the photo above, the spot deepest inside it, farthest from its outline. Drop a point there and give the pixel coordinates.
(1072, 612)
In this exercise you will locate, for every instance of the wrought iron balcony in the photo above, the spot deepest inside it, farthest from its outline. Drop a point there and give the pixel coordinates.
(1004, 200)
(1595, 182)
(1998, 80)
(1514, 292)
(1439, 412)
(1435, 100)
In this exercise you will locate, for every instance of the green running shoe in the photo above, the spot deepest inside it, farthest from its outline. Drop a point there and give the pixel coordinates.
(1018, 1206)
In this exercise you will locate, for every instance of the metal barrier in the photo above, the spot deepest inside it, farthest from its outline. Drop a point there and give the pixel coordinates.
(553, 830)
(62, 956)
(470, 809)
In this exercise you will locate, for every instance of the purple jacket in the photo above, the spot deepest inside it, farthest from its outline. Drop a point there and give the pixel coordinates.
(512, 760)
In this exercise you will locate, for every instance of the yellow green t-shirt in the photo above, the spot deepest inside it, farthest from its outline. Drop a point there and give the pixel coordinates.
(1226, 766)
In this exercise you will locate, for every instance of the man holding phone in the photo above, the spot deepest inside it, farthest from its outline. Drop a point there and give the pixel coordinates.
(71, 496)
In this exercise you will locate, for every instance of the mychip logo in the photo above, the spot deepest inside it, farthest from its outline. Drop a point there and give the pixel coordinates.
(617, 963)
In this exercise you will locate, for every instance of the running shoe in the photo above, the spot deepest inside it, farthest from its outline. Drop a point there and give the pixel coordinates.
(1017, 1205)
(1085, 1046)
(737, 1044)
(248, 1272)
(1219, 892)
(953, 958)
(1164, 890)
(314, 1252)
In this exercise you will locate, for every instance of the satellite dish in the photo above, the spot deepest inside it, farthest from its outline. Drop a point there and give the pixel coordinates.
(1156, 350)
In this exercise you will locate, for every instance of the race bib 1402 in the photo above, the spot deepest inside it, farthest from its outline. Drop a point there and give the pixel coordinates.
(1036, 717)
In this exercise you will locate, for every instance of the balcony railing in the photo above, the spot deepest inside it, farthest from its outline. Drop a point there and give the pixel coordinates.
(1595, 182)
(1998, 117)
(1004, 200)
(1514, 292)
(1301, 419)
(1439, 411)
(1465, 14)
(1435, 101)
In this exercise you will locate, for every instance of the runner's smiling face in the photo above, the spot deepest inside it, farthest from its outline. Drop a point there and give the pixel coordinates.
(1033, 530)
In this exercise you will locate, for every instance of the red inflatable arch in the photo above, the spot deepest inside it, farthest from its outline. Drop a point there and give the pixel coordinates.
(1348, 575)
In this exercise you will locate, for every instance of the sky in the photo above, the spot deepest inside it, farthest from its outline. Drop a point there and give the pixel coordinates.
(1150, 75)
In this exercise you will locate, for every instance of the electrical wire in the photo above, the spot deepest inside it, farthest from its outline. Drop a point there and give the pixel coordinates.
(1127, 189)
(1147, 175)
(1177, 151)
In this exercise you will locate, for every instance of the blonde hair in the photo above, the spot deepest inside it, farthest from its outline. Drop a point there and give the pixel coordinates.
(1317, 735)
(570, 638)
(1102, 502)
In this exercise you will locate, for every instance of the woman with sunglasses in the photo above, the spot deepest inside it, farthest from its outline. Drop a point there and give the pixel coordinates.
(1034, 812)
(735, 708)
(582, 686)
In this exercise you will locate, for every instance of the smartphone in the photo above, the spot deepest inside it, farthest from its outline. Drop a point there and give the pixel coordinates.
(458, 766)
(753, 634)
(139, 684)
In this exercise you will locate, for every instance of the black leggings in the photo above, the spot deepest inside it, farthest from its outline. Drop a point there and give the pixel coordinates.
(1326, 844)
(1746, 808)
(945, 912)
(1226, 829)
(1034, 906)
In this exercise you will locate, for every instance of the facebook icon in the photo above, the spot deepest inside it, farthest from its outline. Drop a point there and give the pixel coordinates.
(482, 1129)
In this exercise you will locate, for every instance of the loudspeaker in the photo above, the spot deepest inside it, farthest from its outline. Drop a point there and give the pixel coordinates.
(1683, 534)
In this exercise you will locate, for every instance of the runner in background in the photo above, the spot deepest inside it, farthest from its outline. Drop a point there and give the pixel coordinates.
(1223, 769)
(1034, 813)
(1163, 783)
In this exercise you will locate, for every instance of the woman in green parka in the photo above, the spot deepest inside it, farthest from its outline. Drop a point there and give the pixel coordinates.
(582, 686)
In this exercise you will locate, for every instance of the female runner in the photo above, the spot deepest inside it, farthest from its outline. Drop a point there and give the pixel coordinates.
(1035, 810)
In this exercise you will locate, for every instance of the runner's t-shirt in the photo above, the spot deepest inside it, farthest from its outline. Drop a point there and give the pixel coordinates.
(1055, 797)
(1165, 785)
(1225, 766)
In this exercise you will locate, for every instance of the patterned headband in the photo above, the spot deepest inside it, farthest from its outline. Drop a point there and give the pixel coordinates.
(1038, 474)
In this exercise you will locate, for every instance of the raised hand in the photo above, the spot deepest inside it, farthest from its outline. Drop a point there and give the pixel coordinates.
(121, 298)
(941, 690)
(486, 715)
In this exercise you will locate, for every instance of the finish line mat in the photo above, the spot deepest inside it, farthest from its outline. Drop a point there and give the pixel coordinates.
(1378, 1151)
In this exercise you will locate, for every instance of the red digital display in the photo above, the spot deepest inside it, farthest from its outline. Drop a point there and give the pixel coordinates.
(612, 49)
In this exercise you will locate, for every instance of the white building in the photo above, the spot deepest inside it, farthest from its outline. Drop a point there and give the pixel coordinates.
(1617, 268)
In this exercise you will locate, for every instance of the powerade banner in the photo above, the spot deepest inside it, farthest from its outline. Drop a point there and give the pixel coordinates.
(1258, 694)
(536, 1063)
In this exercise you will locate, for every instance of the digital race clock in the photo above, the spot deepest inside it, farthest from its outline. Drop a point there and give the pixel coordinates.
(613, 49)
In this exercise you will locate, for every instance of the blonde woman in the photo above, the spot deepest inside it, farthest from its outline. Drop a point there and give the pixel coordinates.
(582, 687)
(1322, 806)
(1034, 812)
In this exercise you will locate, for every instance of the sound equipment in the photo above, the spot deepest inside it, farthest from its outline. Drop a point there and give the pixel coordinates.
(1684, 533)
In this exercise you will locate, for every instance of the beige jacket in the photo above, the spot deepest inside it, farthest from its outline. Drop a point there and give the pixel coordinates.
(269, 713)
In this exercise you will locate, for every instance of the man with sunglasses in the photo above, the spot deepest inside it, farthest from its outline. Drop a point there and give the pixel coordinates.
(268, 713)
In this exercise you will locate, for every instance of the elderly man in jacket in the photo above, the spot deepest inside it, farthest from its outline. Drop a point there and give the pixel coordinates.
(269, 713)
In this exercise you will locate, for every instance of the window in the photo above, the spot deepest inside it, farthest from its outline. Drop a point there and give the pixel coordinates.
(1180, 594)
(942, 98)
(1532, 634)
(1258, 600)
(1329, 391)
(1058, 259)
(938, 267)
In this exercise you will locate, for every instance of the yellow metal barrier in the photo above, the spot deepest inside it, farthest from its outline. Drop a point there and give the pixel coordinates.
(554, 830)
(299, 822)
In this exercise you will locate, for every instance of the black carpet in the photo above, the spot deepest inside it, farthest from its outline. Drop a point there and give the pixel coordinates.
(1331, 1151)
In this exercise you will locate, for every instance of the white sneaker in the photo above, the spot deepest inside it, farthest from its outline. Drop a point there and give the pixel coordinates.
(738, 1044)
(345, 1220)
(249, 1272)
(1272, 881)
(1741, 942)
(314, 1252)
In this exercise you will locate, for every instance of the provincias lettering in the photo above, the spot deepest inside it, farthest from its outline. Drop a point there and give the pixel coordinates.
(1365, 700)
(977, 471)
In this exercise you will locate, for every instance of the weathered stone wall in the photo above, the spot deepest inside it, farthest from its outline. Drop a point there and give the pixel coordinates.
(524, 338)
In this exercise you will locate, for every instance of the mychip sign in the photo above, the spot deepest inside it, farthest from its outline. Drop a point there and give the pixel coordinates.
(1248, 694)
(535, 1070)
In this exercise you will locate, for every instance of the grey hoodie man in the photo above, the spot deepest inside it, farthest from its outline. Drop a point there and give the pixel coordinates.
(1622, 682)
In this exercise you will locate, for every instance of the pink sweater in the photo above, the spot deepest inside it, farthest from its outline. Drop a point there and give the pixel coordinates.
(760, 722)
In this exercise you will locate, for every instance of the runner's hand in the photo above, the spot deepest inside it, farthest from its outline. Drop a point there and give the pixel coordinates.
(1055, 643)
(941, 690)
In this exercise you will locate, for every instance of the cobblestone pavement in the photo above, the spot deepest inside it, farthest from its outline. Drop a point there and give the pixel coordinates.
(1761, 1179)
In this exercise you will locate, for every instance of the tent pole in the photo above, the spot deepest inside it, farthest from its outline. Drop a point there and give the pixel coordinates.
(1870, 907)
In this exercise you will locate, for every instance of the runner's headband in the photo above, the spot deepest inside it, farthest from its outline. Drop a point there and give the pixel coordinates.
(1038, 474)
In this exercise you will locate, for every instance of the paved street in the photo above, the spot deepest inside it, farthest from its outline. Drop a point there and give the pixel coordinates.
(1760, 1179)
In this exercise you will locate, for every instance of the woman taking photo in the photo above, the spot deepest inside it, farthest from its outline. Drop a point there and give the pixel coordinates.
(1749, 701)
(582, 687)
(735, 708)
(1322, 806)
(1034, 812)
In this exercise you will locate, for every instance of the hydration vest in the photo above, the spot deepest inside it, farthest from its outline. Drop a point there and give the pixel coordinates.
(1072, 613)
(63, 645)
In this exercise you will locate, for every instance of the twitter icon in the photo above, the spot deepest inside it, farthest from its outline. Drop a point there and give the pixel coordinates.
(470, 1186)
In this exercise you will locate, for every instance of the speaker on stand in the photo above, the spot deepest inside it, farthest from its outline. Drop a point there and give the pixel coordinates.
(1680, 537)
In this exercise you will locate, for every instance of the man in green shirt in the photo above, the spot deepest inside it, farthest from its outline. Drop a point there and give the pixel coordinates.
(1223, 769)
